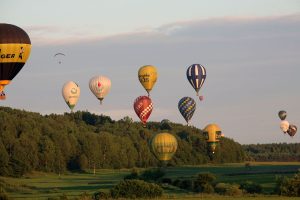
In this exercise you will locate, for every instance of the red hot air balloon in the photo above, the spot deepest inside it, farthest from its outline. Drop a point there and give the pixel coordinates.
(143, 107)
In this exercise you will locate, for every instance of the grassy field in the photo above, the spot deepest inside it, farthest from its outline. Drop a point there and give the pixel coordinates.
(43, 185)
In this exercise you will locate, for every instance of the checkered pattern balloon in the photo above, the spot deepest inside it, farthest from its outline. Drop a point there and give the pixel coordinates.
(143, 107)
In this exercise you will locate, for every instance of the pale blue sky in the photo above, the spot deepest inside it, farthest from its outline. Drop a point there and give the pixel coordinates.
(104, 17)
(250, 50)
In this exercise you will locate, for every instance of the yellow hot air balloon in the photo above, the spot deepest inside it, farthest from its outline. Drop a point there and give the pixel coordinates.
(164, 146)
(148, 76)
(71, 93)
(212, 133)
(15, 49)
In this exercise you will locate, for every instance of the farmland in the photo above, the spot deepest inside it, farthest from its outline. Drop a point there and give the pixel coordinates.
(39, 185)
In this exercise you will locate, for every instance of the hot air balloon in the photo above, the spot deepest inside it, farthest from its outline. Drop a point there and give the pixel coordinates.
(282, 114)
(71, 93)
(196, 75)
(284, 126)
(59, 56)
(165, 124)
(187, 107)
(15, 49)
(100, 86)
(292, 130)
(212, 133)
(148, 76)
(164, 146)
(143, 107)
(201, 98)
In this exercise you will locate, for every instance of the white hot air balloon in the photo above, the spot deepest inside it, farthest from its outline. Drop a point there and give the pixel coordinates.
(71, 93)
(100, 86)
(284, 126)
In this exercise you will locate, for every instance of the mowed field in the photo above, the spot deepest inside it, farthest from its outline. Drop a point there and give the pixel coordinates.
(43, 185)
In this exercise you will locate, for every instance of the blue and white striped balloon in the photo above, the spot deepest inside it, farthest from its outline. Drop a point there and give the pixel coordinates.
(196, 75)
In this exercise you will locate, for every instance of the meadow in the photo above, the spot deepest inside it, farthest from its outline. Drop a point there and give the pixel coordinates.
(39, 185)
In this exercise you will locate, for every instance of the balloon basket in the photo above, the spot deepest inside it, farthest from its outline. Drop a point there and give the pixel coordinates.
(2, 96)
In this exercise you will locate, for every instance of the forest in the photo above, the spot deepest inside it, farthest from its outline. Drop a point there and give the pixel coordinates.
(78, 141)
(282, 152)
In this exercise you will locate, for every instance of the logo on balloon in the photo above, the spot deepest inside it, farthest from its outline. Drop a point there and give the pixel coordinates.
(144, 77)
(21, 53)
(73, 90)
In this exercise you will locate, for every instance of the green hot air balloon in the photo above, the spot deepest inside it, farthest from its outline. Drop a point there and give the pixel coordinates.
(282, 114)
(164, 146)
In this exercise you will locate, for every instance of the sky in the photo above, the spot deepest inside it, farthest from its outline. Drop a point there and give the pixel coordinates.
(250, 50)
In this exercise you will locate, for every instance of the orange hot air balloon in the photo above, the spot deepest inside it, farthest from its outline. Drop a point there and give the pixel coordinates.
(143, 107)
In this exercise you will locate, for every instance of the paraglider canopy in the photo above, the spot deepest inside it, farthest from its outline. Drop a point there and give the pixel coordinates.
(59, 57)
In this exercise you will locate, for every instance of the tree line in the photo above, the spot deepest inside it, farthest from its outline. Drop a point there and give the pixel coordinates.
(284, 152)
(82, 140)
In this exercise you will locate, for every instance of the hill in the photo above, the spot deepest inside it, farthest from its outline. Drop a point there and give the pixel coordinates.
(82, 140)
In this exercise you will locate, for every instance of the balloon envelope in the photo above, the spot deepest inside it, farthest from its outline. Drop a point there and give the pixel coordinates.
(292, 130)
(15, 47)
(164, 146)
(187, 107)
(284, 125)
(143, 107)
(165, 124)
(212, 133)
(147, 77)
(282, 114)
(196, 75)
(100, 86)
(71, 93)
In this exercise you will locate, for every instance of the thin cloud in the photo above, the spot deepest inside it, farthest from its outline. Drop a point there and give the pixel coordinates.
(203, 29)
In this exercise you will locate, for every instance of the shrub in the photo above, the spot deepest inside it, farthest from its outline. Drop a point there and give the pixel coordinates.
(167, 180)
(228, 189)
(251, 187)
(177, 182)
(136, 189)
(207, 188)
(63, 197)
(101, 195)
(133, 175)
(187, 184)
(152, 174)
(3, 195)
(288, 186)
(206, 178)
(203, 183)
(85, 196)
